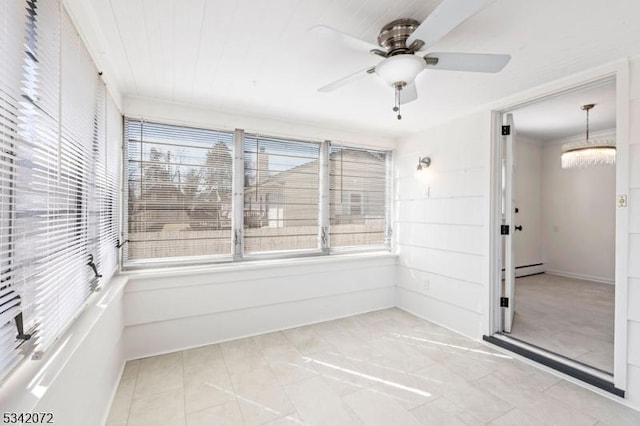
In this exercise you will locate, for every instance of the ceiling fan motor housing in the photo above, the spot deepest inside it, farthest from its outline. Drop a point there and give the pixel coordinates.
(393, 36)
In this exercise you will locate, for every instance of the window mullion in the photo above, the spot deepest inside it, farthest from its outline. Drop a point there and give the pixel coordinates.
(388, 216)
(238, 195)
(323, 210)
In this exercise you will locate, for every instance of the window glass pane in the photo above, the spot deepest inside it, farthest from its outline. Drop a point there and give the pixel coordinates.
(179, 191)
(281, 197)
(358, 194)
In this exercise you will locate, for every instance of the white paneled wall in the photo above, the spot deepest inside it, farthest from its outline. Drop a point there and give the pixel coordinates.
(441, 227)
(634, 237)
(168, 311)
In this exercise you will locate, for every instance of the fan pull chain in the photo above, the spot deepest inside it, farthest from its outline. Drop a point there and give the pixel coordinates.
(398, 86)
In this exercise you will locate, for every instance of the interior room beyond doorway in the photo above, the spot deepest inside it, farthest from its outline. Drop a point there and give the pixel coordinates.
(564, 238)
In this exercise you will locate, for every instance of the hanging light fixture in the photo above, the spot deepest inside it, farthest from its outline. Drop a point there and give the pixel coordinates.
(589, 152)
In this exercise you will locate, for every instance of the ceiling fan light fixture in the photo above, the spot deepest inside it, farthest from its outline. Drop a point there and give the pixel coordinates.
(400, 68)
(400, 41)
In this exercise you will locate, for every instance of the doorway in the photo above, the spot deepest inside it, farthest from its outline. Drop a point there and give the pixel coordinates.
(554, 298)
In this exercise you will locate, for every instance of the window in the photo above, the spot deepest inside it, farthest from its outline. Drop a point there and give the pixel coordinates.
(359, 196)
(54, 172)
(179, 190)
(199, 194)
(281, 196)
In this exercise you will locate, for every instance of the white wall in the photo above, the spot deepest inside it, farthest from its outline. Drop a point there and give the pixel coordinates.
(579, 218)
(442, 233)
(528, 187)
(170, 310)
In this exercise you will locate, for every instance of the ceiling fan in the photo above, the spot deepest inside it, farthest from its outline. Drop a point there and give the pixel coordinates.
(401, 43)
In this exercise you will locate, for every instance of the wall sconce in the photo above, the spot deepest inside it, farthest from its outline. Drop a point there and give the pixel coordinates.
(421, 173)
(423, 162)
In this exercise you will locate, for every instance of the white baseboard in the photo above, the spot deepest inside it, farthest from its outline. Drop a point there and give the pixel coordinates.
(523, 271)
(600, 280)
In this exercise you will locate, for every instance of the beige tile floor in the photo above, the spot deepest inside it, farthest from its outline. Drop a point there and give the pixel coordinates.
(570, 317)
(386, 368)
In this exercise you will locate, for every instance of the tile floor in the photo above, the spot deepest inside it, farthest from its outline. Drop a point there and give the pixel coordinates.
(382, 368)
(570, 317)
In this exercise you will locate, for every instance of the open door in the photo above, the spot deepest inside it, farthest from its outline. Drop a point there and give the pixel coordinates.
(555, 205)
(509, 297)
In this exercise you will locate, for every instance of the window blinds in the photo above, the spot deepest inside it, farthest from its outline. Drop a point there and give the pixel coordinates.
(12, 32)
(179, 191)
(281, 197)
(55, 175)
(180, 197)
(36, 152)
(358, 187)
(66, 182)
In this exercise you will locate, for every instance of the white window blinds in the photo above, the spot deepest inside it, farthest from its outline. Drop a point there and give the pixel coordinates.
(281, 196)
(12, 32)
(179, 191)
(359, 196)
(289, 197)
(55, 173)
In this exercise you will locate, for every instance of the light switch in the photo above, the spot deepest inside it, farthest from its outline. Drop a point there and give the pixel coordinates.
(622, 201)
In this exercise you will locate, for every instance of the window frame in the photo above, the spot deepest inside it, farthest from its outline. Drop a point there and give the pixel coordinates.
(285, 253)
(238, 254)
(388, 203)
(155, 262)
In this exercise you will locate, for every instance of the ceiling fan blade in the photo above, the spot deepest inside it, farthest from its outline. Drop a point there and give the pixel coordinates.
(448, 15)
(354, 43)
(408, 94)
(476, 62)
(348, 79)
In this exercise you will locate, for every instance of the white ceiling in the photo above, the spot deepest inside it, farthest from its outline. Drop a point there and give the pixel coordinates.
(256, 57)
(561, 117)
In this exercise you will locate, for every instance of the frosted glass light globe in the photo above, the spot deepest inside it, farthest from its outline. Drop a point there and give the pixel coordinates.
(400, 68)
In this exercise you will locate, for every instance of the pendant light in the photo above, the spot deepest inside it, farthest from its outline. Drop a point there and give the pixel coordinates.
(589, 152)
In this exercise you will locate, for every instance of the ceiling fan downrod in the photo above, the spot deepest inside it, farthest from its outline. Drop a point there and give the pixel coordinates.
(398, 88)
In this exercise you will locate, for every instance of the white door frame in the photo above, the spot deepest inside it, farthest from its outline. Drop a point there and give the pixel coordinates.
(620, 72)
(509, 216)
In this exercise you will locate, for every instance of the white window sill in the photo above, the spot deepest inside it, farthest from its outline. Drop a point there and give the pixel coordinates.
(253, 265)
